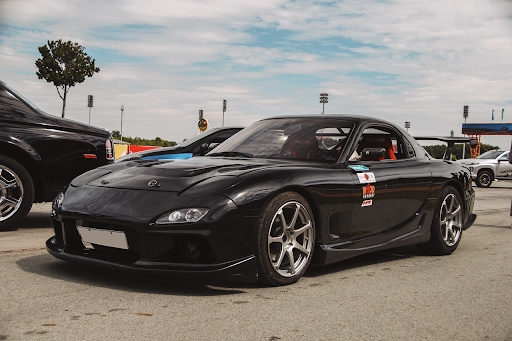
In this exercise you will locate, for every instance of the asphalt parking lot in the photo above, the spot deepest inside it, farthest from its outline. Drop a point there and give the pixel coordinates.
(399, 294)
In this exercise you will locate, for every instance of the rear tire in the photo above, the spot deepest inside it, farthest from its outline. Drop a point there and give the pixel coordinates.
(484, 178)
(447, 225)
(285, 238)
(16, 193)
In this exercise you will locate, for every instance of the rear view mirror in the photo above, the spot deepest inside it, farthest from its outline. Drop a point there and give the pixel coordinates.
(292, 129)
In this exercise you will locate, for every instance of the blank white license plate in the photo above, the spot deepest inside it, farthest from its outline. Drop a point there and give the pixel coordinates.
(103, 237)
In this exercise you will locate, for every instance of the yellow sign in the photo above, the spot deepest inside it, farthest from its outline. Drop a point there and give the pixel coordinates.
(203, 124)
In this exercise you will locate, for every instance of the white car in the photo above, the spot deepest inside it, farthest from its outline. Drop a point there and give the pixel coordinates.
(489, 166)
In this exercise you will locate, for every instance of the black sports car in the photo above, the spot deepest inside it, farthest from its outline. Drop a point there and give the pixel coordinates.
(280, 194)
(198, 145)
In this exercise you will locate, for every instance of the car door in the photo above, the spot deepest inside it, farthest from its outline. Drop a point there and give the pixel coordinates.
(388, 192)
(504, 168)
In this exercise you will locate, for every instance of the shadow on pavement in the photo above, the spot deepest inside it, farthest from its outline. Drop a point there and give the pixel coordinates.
(36, 220)
(365, 260)
(46, 265)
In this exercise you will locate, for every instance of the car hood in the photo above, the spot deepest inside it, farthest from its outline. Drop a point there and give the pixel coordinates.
(476, 161)
(157, 151)
(171, 175)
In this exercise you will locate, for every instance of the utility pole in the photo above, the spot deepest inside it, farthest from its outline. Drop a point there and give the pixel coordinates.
(465, 114)
(122, 112)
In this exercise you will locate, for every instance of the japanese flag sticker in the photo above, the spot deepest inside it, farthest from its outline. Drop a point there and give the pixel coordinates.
(366, 178)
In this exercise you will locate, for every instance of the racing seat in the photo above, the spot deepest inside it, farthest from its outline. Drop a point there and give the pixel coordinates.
(377, 141)
(302, 147)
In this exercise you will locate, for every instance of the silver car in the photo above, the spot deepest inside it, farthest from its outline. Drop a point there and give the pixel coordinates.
(489, 166)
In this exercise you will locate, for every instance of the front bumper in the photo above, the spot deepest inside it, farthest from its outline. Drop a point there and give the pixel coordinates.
(218, 247)
(240, 270)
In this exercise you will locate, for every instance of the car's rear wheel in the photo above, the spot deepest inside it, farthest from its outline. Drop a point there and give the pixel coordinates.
(16, 193)
(447, 225)
(285, 239)
(484, 178)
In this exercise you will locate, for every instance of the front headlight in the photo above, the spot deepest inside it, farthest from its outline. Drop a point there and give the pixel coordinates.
(184, 215)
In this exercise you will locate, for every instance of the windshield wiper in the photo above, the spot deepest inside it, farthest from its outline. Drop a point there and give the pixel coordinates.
(231, 154)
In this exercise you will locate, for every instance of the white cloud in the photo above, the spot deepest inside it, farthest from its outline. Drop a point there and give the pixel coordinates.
(165, 60)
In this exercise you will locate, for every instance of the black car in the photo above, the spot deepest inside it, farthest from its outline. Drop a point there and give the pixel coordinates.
(40, 154)
(280, 194)
(196, 146)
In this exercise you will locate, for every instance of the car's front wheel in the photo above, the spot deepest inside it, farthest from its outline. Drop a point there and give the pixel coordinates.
(16, 193)
(447, 225)
(285, 239)
(484, 178)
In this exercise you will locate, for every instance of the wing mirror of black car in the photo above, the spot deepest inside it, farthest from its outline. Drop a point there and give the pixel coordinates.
(473, 143)
(373, 153)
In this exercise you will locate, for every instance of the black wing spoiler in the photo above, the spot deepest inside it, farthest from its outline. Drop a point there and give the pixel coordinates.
(450, 140)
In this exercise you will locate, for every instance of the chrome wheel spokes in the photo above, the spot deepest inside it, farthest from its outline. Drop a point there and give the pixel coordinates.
(11, 193)
(451, 220)
(290, 239)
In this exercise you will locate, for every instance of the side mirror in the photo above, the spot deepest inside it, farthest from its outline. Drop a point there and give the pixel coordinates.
(510, 154)
(373, 153)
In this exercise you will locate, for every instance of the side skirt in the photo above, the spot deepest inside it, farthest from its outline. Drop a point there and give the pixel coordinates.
(328, 254)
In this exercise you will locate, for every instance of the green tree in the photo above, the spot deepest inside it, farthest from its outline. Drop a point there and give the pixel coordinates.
(64, 64)
(138, 141)
(437, 151)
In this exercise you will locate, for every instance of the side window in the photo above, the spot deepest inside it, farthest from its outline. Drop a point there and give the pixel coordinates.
(221, 137)
(381, 137)
(504, 157)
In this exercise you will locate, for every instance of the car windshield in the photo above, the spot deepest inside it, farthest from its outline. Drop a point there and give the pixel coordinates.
(491, 154)
(289, 138)
(19, 97)
(196, 137)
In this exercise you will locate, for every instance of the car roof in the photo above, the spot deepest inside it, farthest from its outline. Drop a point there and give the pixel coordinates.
(353, 118)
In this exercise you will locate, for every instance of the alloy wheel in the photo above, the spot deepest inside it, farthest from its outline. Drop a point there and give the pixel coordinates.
(451, 220)
(11, 193)
(290, 239)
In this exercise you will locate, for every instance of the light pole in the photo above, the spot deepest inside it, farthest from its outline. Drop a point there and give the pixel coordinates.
(324, 99)
(90, 99)
(224, 104)
(122, 112)
(407, 125)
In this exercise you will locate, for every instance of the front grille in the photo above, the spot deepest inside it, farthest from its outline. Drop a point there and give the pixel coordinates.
(154, 247)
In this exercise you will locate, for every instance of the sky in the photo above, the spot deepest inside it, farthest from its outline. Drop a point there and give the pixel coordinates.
(164, 60)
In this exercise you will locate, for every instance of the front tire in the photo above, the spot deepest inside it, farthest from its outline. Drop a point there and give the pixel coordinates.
(484, 178)
(285, 238)
(447, 225)
(16, 193)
